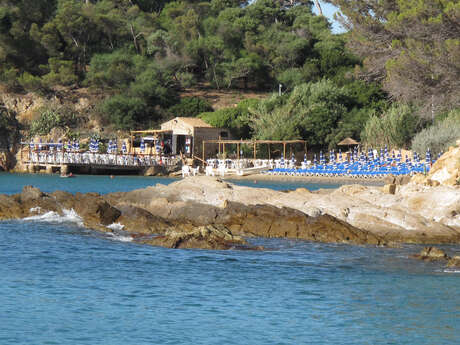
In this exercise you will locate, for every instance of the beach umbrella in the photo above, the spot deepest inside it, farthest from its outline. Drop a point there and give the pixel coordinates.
(123, 148)
(110, 146)
(282, 160)
(428, 157)
(305, 158)
(32, 145)
(96, 146)
(114, 146)
(340, 154)
(142, 145)
(59, 145)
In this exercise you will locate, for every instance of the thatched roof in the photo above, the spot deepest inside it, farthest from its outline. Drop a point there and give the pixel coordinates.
(347, 142)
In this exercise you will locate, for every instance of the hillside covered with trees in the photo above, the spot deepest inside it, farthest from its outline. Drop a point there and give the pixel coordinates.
(395, 73)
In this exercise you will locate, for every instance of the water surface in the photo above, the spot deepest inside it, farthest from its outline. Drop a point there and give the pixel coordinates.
(63, 284)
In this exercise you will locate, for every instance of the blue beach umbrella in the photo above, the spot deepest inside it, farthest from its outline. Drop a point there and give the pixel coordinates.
(96, 146)
(282, 159)
(428, 157)
(123, 148)
(142, 146)
(340, 154)
(110, 146)
(293, 160)
(59, 145)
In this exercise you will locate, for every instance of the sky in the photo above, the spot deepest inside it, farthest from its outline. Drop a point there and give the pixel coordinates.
(328, 11)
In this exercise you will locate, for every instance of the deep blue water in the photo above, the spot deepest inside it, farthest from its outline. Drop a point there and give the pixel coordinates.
(63, 284)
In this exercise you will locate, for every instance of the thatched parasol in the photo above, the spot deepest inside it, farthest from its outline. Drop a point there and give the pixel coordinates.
(348, 142)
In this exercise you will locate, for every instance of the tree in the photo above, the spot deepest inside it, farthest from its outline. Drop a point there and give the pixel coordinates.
(412, 46)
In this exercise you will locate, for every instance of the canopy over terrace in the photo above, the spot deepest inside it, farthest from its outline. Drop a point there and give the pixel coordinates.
(156, 133)
(254, 144)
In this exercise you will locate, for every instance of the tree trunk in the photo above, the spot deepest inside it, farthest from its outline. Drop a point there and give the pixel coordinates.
(318, 6)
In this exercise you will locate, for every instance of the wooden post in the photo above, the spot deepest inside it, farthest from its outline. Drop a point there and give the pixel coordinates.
(223, 149)
(203, 154)
(268, 151)
(284, 150)
(131, 148)
(255, 151)
(238, 151)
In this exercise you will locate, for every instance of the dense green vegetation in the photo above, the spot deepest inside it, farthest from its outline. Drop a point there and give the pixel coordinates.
(398, 64)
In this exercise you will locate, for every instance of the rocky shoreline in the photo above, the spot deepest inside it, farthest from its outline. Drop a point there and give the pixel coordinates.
(206, 212)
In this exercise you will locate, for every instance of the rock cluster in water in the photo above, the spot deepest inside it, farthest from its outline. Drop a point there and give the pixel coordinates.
(205, 212)
(436, 254)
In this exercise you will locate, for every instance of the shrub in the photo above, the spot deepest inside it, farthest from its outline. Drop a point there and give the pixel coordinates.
(190, 107)
(440, 136)
(395, 128)
(124, 112)
(61, 73)
(235, 119)
(52, 117)
(30, 82)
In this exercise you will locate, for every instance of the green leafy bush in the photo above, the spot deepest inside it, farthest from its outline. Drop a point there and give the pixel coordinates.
(311, 111)
(124, 112)
(61, 73)
(395, 128)
(190, 107)
(30, 82)
(53, 117)
(235, 119)
(440, 136)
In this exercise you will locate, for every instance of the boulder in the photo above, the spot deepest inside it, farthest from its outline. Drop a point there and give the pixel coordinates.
(454, 262)
(389, 188)
(30, 193)
(432, 254)
(202, 237)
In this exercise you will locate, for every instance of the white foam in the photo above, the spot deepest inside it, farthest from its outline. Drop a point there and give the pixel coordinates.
(35, 209)
(68, 216)
(451, 270)
(118, 237)
(116, 226)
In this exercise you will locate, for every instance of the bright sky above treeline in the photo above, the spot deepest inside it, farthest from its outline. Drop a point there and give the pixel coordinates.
(329, 11)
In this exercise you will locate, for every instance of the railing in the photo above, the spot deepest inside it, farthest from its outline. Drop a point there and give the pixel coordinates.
(89, 158)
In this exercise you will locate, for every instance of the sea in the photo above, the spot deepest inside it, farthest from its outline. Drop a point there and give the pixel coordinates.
(63, 284)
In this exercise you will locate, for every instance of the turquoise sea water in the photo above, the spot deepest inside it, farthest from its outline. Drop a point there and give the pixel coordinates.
(63, 284)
